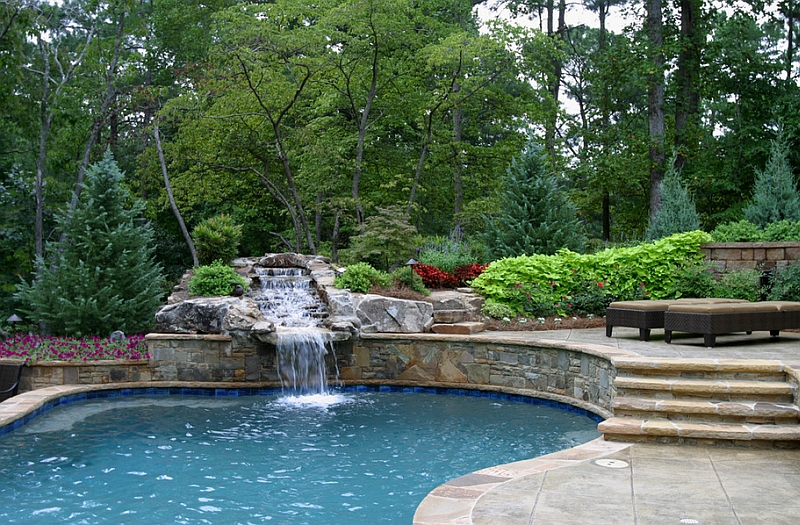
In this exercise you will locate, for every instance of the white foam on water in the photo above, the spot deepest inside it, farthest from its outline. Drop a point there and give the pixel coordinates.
(323, 400)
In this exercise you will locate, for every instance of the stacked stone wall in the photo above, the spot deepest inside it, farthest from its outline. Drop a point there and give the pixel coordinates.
(730, 256)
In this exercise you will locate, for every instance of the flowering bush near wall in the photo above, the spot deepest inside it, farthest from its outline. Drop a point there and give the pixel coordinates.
(542, 283)
(34, 348)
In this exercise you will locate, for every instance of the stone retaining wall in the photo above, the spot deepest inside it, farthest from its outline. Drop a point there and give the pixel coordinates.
(750, 255)
(582, 378)
(45, 374)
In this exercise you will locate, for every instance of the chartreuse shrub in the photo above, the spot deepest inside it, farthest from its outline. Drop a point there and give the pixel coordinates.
(360, 277)
(216, 278)
(217, 238)
(740, 231)
(645, 270)
(782, 231)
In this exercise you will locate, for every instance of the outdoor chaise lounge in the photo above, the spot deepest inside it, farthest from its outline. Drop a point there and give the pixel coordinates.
(646, 315)
(722, 318)
(10, 374)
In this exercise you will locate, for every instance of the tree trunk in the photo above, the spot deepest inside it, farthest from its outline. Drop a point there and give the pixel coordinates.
(687, 103)
(655, 102)
(171, 197)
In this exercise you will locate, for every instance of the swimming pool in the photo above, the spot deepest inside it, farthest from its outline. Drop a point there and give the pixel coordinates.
(354, 457)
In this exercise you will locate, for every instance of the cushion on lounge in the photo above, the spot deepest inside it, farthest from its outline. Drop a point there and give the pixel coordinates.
(700, 308)
(640, 305)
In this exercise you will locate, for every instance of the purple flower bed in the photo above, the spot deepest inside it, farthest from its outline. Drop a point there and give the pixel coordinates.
(35, 348)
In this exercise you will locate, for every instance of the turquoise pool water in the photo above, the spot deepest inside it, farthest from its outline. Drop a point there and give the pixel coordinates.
(356, 457)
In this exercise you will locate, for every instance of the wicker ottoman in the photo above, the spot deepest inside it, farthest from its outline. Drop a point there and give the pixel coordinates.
(722, 318)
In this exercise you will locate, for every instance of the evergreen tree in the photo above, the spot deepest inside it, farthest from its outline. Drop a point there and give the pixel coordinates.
(678, 213)
(102, 275)
(534, 217)
(775, 195)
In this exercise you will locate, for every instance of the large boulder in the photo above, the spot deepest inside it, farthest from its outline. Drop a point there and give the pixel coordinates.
(210, 315)
(386, 314)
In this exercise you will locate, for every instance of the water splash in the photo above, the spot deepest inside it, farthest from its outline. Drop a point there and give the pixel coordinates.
(288, 299)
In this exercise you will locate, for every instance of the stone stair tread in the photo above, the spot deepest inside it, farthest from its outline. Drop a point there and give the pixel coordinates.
(699, 365)
(718, 408)
(699, 430)
(703, 386)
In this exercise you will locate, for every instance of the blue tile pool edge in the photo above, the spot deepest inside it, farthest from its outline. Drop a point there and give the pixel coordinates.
(256, 391)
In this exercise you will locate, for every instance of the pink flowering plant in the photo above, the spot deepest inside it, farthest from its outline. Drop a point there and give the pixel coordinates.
(34, 348)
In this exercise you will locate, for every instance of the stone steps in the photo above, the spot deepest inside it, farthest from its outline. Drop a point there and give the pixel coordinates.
(703, 401)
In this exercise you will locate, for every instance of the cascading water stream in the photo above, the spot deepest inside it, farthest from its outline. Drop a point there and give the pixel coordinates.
(288, 300)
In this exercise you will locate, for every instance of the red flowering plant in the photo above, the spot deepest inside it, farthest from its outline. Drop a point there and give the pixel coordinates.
(35, 348)
(434, 278)
(464, 274)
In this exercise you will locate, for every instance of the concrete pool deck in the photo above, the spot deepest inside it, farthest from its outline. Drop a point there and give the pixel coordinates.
(604, 483)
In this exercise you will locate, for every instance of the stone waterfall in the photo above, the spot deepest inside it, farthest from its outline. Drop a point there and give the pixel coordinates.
(287, 298)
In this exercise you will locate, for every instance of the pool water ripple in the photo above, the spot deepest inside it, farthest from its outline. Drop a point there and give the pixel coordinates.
(365, 458)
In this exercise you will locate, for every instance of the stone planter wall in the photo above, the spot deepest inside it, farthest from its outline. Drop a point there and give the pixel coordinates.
(55, 373)
(751, 255)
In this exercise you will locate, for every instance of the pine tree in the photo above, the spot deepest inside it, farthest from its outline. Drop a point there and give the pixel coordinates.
(775, 195)
(535, 217)
(102, 276)
(678, 213)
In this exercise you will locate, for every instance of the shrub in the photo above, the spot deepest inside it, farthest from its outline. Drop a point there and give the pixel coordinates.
(465, 274)
(694, 280)
(215, 279)
(433, 277)
(590, 298)
(740, 284)
(360, 277)
(741, 231)
(785, 284)
(496, 310)
(217, 238)
(782, 231)
(405, 276)
(648, 269)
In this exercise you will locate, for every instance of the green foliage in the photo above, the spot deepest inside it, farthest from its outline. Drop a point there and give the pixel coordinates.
(216, 278)
(740, 231)
(360, 277)
(740, 284)
(405, 276)
(782, 231)
(693, 280)
(535, 217)
(102, 277)
(385, 239)
(648, 269)
(217, 238)
(497, 310)
(678, 213)
(775, 194)
(447, 253)
(785, 284)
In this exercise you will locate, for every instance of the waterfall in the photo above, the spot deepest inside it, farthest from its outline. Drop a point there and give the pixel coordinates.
(288, 299)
